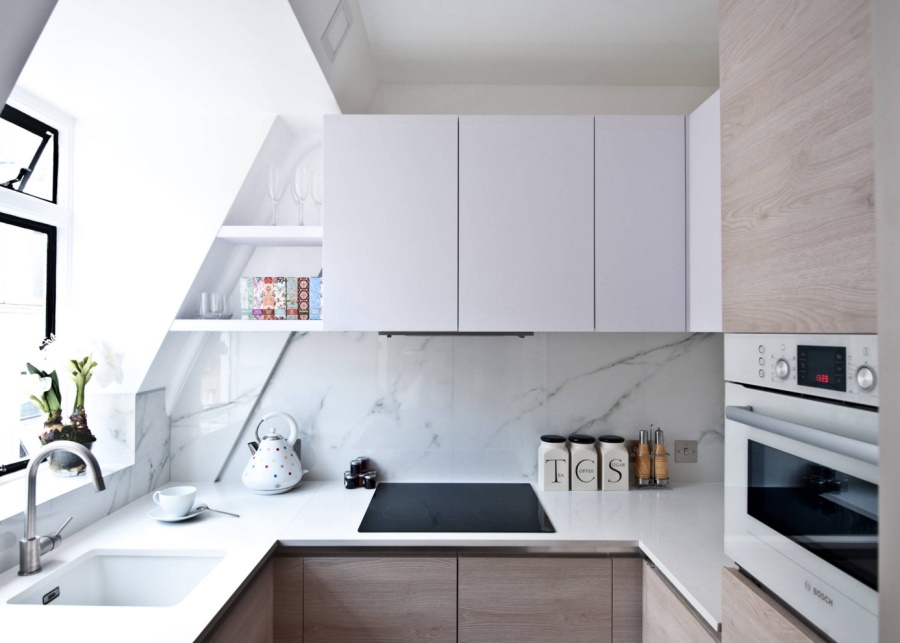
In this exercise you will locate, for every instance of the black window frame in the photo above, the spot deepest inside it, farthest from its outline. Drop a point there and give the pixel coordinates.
(50, 231)
(46, 133)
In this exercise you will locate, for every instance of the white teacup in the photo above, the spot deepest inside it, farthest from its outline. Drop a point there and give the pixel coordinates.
(176, 501)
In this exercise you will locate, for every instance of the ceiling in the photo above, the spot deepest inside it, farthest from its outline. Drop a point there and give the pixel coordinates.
(106, 57)
(544, 42)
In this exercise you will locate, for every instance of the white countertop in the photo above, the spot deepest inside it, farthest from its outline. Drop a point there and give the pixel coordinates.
(680, 530)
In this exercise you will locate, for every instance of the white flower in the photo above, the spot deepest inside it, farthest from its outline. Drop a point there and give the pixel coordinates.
(109, 365)
(34, 384)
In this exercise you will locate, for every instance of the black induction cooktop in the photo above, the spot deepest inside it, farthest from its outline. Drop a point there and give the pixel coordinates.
(455, 507)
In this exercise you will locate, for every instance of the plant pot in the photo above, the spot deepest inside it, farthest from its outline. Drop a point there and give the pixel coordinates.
(67, 465)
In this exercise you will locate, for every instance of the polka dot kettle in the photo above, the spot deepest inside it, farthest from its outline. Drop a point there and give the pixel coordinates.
(274, 467)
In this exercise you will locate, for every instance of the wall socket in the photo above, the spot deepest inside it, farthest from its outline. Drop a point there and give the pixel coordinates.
(685, 450)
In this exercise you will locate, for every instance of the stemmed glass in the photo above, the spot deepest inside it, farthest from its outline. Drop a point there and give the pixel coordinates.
(318, 190)
(300, 188)
(276, 188)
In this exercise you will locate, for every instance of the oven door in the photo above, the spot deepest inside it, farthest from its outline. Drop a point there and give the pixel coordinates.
(801, 505)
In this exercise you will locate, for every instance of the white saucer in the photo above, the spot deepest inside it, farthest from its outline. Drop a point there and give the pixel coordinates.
(158, 514)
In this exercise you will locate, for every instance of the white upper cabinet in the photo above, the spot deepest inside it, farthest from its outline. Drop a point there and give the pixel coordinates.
(390, 223)
(705, 218)
(640, 224)
(526, 221)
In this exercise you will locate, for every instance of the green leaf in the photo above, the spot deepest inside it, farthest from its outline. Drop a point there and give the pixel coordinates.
(40, 404)
(35, 371)
(52, 400)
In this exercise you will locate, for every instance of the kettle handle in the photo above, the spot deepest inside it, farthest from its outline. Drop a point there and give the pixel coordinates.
(292, 424)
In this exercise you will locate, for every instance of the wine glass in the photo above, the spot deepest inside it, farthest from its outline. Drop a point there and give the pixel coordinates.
(300, 188)
(318, 190)
(276, 188)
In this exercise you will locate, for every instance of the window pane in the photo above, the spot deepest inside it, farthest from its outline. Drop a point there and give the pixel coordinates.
(23, 310)
(18, 147)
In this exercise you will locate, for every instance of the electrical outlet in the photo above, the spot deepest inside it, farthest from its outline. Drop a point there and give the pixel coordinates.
(685, 450)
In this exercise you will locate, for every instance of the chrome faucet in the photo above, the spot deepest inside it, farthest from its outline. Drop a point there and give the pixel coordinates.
(32, 547)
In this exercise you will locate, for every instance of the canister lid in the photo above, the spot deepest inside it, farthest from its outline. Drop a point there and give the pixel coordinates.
(580, 438)
(616, 439)
(553, 439)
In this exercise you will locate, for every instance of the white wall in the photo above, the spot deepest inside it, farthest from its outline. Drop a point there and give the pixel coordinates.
(535, 99)
(886, 14)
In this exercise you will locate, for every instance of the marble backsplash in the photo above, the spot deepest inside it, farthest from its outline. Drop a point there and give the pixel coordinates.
(445, 408)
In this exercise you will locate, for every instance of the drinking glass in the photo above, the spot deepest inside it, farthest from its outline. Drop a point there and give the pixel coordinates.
(300, 188)
(276, 188)
(318, 189)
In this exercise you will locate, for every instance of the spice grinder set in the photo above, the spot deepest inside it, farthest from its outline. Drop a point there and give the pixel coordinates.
(583, 463)
(360, 476)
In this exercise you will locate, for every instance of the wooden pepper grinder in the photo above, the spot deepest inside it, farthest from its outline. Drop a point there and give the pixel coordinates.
(660, 460)
(642, 461)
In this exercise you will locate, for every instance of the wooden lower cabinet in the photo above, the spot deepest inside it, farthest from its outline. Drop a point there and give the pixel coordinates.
(535, 599)
(667, 618)
(749, 615)
(249, 618)
(379, 599)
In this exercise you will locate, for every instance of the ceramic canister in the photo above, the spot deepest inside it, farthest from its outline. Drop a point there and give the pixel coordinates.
(584, 463)
(553, 463)
(614, 463)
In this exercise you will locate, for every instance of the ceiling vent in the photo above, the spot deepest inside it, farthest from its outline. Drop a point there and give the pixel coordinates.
(336, 31)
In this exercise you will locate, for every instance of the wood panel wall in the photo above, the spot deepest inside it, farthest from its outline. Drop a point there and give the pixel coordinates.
(798, 224)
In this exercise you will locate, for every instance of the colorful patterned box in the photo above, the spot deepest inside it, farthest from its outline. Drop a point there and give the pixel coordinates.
(303, 297)
(291, 287)
(268, 297)
(315, 298)
(246, 289)
(280, 284)
(258, 292)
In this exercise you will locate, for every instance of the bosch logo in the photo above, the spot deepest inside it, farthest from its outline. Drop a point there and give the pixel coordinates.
(822, 596)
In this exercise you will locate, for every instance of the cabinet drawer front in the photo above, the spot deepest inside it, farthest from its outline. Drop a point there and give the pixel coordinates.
(535, 599)
(390, 223)
(526, 216)
(379, 599)
(640, 224)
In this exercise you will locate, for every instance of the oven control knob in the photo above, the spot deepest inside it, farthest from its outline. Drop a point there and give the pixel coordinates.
(782, 369)
(865, 378)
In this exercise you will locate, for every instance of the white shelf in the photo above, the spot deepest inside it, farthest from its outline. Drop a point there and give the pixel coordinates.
(276, 236)
(230, 325)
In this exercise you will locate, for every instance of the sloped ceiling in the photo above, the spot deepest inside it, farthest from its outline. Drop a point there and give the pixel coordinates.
(106, 57)
(21, 25)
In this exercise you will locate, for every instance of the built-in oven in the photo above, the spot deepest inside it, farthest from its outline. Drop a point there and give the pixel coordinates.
(801, 474)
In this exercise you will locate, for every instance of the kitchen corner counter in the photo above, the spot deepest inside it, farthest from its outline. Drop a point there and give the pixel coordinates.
(680, 530)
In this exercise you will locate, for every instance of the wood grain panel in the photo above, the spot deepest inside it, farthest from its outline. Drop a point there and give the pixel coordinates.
(749, 616)
(379, 599)
(249, 618)
(667, 618)
(288, 618)
(535, 599)
(627, 600)
(798, 225)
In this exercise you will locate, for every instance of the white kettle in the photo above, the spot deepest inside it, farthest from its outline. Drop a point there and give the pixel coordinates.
(274, 467)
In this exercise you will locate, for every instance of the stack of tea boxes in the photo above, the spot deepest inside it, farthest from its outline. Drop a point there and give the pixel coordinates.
(281, 297)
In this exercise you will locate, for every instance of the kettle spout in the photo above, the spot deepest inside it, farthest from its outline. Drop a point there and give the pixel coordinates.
(254, 446)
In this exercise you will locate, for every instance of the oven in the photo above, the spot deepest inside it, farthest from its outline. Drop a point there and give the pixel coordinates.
(801, 474)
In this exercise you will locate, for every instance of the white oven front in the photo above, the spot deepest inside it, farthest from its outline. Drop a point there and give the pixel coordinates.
(801, 503)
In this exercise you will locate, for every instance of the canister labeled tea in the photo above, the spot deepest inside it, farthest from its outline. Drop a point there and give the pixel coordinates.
(553, 463)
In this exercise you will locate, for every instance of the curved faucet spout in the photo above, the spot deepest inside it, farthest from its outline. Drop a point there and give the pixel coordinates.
(30, 548)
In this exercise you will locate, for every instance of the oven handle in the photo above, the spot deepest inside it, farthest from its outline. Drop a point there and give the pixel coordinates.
(814, 437)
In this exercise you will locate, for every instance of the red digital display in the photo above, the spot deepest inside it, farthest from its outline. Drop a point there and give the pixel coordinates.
(822, 379)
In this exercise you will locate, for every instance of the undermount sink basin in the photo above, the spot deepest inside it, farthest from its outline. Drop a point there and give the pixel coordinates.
(147, 578)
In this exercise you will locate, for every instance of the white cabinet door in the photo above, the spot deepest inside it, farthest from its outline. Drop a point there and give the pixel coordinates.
(390, 230)
(705, 218)
(526, 217)
(640, 224)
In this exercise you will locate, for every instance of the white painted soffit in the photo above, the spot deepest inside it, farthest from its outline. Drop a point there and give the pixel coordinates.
(544, 42)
